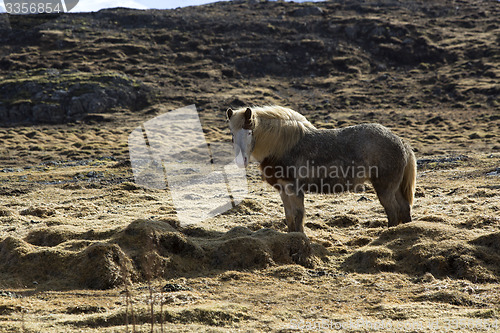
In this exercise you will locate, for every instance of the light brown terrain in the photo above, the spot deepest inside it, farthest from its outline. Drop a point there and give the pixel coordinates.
(82, 245)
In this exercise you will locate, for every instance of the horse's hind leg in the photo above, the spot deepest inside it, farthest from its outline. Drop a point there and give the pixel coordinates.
(293, 202)
(387, 196)
(404, 208)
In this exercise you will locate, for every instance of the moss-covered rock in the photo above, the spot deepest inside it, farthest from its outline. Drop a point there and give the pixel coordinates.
(53, 96)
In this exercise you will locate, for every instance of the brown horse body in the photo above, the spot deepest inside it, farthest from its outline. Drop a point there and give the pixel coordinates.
(296, 158)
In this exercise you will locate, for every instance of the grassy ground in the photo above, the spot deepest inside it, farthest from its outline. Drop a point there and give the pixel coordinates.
(81, 244)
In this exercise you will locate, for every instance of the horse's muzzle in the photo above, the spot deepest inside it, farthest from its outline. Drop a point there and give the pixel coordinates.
(241, 161)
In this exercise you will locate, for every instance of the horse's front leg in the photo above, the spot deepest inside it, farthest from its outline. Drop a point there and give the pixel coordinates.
(297, 203)
(293, 202)
(287, 205)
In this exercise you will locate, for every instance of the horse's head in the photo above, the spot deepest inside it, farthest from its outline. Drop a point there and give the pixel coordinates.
(242, 125)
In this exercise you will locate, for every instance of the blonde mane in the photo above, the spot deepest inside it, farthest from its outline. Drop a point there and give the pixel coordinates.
(276, 129)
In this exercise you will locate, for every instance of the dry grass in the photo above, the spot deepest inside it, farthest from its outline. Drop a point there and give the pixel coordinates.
(443, 266)
(83, 248)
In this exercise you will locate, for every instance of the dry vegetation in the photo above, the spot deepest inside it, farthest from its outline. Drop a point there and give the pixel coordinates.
(81, 245)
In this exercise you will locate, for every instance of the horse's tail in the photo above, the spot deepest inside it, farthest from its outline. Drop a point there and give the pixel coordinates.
(407, 185)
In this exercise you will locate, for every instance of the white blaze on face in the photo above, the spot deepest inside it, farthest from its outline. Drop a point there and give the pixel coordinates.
(243, 146)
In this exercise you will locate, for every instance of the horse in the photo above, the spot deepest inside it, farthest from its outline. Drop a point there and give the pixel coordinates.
(296, 158)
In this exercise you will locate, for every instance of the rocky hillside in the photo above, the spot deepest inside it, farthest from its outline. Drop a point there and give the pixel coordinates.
(324, 57)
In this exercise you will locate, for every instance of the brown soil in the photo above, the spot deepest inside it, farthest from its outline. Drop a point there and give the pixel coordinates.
(81, 244)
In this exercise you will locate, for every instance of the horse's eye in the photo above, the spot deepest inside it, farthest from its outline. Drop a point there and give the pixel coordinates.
(250, 133)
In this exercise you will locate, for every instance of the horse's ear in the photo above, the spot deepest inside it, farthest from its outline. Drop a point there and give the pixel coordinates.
(248, 114)
(248, 123)
(229, 113)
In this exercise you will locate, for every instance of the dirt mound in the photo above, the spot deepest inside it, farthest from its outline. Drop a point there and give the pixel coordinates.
(490, 241)
(69, 235)
(449, 297)
(98, 266)
(262, 248)
(38, 211)
(211, 316)
(480, 221)
(143, 250)
(343, 221)
(420, 247)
